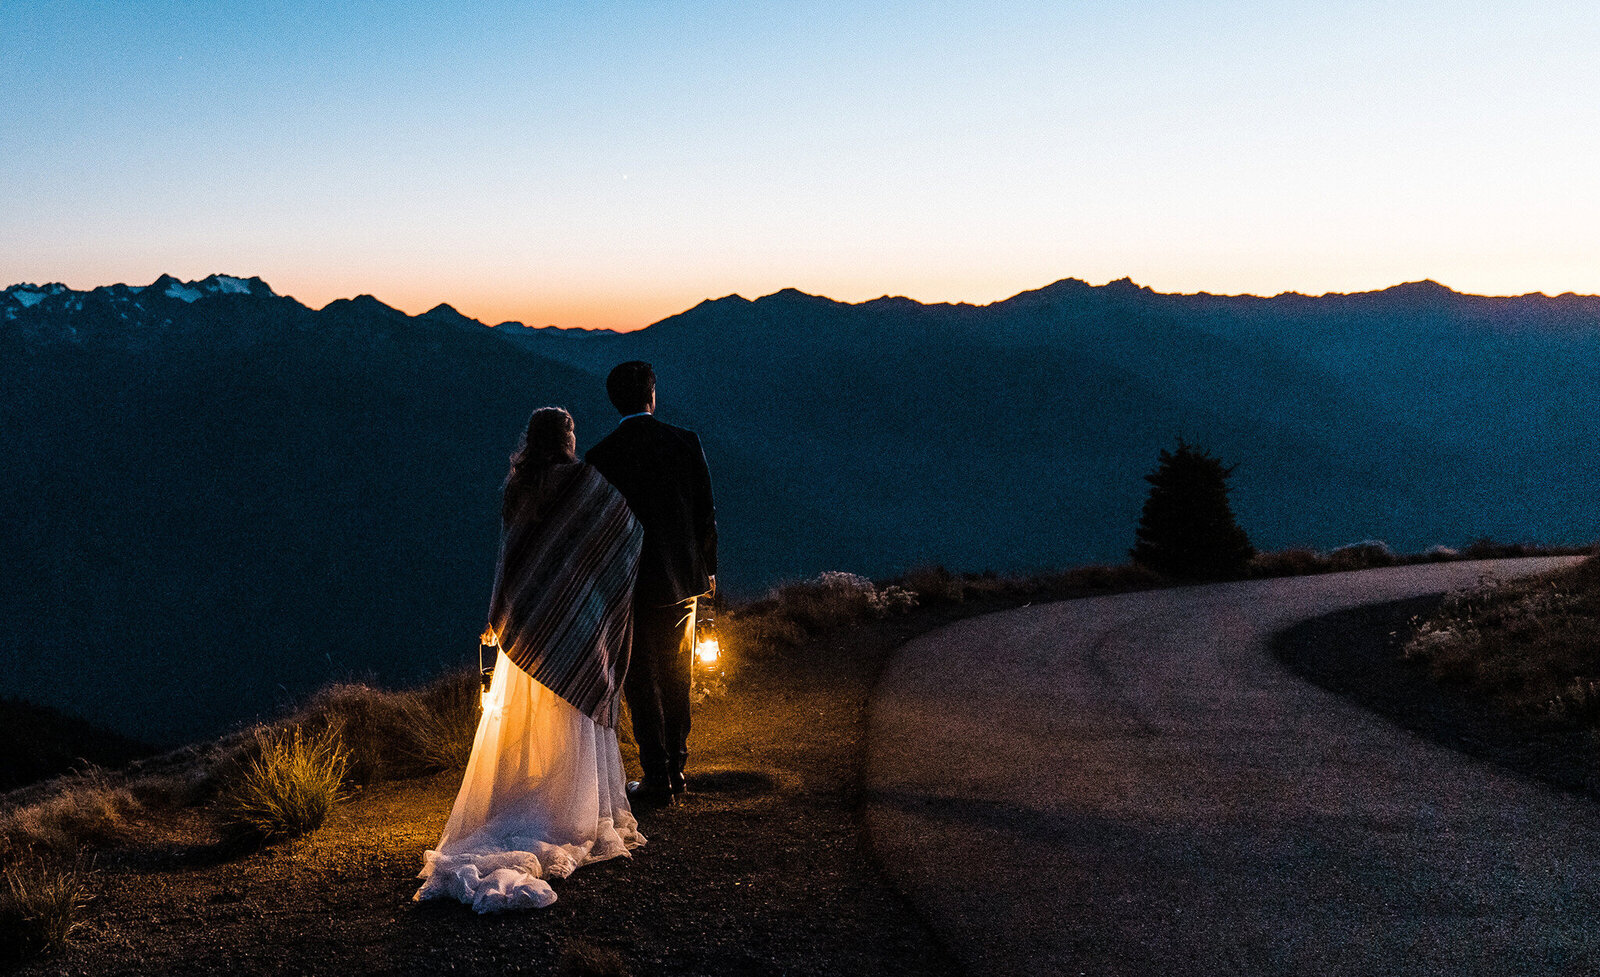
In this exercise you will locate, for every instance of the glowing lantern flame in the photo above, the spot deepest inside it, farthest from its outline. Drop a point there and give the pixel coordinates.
(707, 650)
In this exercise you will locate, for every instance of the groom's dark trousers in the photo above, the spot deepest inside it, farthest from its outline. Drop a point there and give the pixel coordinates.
(658, 685)
(661, 472)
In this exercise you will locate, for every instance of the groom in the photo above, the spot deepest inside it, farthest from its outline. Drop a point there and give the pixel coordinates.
(661, 472)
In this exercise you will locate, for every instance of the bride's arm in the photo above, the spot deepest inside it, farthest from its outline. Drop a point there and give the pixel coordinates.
(496, 597)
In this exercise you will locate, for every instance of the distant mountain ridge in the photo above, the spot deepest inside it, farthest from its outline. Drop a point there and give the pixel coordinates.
(1579, 310)
(213, 487)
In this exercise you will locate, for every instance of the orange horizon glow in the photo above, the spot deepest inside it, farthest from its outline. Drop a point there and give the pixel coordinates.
(626, 309)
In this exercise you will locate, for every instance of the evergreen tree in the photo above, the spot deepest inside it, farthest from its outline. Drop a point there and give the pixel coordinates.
(1187, 530)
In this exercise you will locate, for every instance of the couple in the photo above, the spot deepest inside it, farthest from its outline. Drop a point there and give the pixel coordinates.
(601, 562)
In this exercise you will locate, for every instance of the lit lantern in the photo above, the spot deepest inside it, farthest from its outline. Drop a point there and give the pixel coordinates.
(486, 671)
(707, 648)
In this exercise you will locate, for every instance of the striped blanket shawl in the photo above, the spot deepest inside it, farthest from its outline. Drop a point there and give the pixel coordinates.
(563, 590)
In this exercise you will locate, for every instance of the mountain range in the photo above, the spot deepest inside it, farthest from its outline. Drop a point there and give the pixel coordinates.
(217, 498)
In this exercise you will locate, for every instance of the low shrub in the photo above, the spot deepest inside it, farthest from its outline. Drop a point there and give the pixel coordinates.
(1531, 646)
(760, 632)
(1082, 581)
(1486, 548)
(829, 600)
(288, 788)
(793, 612)
(1362, 556)
(1296, 562)
(934, 585)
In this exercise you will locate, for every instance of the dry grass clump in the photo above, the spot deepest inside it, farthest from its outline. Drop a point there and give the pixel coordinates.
(1531, 646)
(447, 711)
(288, 788)
(389, 734)
(41, 909)
(373, 727)
(77, 810)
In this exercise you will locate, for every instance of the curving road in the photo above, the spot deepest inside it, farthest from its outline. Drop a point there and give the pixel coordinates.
(1133, 785)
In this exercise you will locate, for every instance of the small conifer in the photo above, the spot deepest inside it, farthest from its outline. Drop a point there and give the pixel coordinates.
(1187, 530)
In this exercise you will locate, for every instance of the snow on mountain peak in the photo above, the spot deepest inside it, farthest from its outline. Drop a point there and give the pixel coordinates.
(28, 299)
(228, 285)
(178, 291)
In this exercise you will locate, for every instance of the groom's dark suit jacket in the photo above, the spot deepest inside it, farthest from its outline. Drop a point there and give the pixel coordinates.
(661, 471)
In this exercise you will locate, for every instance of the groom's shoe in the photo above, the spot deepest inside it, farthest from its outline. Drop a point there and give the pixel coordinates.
(650, 792)
(677, 784)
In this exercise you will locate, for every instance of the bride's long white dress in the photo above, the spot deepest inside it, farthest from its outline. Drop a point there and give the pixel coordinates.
(543, 795)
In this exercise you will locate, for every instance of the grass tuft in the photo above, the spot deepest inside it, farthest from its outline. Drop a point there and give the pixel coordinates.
(288, 788)
(41, 909)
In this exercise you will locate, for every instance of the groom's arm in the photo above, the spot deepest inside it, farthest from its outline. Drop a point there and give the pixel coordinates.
(705, 511)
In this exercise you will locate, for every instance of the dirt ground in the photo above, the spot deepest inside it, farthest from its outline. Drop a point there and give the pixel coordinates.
(764, 870)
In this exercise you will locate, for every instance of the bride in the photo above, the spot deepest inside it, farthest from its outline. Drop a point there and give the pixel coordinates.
(543, 792)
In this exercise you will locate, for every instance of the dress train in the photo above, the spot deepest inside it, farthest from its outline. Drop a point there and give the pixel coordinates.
(543, 795)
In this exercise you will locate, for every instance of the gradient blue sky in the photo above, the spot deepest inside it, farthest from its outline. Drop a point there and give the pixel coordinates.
(608, 163)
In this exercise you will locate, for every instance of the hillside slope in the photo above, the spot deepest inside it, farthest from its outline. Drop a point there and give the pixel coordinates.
(218, 498)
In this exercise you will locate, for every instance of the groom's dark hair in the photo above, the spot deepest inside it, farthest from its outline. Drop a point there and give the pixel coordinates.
(630, 386)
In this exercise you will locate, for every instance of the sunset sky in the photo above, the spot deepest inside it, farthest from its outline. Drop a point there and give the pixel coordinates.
(612, 163)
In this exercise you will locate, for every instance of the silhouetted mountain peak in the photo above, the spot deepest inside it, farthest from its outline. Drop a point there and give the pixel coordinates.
(446, 313)
(894, 302)
(1055, 291)
(362, 305)
(727, 302)
(1427, 288)
(793, 296)
(1123, 286)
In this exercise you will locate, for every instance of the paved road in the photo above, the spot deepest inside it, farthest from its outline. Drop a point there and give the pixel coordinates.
(1133, 785)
